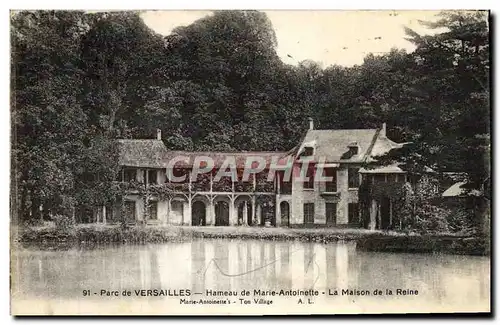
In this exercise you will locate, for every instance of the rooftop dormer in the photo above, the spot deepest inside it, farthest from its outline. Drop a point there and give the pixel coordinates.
(353, 148)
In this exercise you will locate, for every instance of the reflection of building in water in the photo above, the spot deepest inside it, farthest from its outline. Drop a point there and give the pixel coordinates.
(221, 258)
(175, 265)
(149, 268)
(309, 266)
(145, 268)
(321, 272)
(297, 265)
(252, 264)
(445, 280)
(342, 267)
(331, 270)
(208, 267)
(282, 265)
(232, 263)
(198, 253)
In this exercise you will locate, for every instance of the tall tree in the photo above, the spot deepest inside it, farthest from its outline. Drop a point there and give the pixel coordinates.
(119, 57)
(80, 80)
(48, 122)
(451, 95)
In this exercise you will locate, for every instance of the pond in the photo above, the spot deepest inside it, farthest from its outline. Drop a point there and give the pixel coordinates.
(312, 277)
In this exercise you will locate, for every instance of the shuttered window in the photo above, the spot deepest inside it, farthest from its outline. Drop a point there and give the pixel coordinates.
(308, 213)
(152, 175)
(331, 186)
(353, 177)
(309, 183)
(353, 212)
(331, 213)
(153, 210)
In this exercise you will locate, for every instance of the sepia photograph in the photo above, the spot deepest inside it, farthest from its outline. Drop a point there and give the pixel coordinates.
(250, 162)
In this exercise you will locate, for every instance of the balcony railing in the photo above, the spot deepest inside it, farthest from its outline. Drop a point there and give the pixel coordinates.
(204, 183)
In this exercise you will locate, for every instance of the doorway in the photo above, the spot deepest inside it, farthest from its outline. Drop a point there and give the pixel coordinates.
(242, 218)
(385, 213)
(221, 213)
(285, 213)
(198, 214)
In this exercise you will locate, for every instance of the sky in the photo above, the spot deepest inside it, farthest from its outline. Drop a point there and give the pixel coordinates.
(327, 37)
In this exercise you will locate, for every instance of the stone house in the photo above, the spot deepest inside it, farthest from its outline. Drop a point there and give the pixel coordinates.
(275, 196)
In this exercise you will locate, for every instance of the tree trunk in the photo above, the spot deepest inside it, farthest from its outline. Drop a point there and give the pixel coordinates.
(35, 208)
(22, 213)
(373, 215)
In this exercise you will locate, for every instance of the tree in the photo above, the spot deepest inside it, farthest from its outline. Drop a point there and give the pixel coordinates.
(223, 68)
(48, 122)
(81, 80)
(451, 84)
(119, 55)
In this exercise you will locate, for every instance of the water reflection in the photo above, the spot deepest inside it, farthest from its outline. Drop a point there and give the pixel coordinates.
(238, 265)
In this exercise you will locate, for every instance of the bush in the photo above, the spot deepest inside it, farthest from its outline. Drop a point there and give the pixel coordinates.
(427, 217)
(431, 218)
(64, 223)
(460, 221)
(32, 222)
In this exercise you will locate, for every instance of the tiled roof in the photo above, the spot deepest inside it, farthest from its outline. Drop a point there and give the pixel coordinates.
(153, 154)
(146, 153)
(220, 157)
(383, 145)
(332, 145)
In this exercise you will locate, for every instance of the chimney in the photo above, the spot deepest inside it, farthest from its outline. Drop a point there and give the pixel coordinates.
(311, 123)
(383, 129)
(353, 148)
(158, 134)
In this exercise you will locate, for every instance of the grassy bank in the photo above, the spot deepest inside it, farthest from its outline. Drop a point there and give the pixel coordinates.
(426, 244)
(367, 240)
(156, 234)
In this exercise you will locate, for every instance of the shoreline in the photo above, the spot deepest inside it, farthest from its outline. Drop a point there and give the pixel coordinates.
(366, 240)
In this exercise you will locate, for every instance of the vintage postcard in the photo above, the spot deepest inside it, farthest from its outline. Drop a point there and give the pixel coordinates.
(245, 162)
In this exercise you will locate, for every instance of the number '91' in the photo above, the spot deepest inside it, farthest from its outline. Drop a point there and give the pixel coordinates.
(86, 293)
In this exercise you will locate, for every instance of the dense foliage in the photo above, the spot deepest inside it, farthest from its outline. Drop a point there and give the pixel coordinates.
(80, 80)
(419, 207)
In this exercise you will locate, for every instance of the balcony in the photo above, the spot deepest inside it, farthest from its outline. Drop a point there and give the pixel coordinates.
(202, 183)
(243, 187)
(223, 185)
(331, 195)
(262, 184)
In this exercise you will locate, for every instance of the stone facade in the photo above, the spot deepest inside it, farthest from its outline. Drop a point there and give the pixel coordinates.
(344, 152)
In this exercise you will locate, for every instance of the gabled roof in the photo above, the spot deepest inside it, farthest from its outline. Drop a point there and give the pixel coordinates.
(457, 190)
(147, 153)
(383, 145)
(331, 145)
(334, 145)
